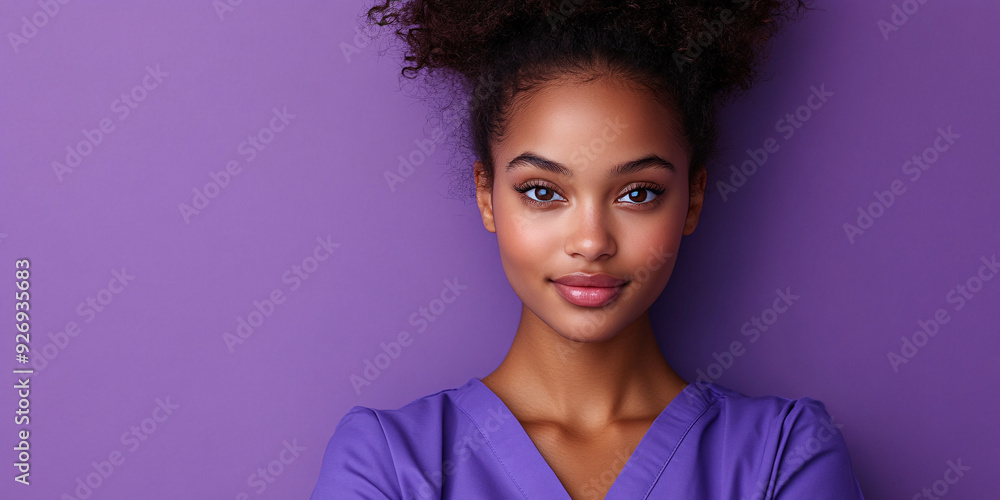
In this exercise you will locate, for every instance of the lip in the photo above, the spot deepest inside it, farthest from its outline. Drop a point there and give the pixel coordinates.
(589, 290)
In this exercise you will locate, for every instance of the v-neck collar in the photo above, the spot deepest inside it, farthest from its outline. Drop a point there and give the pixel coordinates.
(535, 478)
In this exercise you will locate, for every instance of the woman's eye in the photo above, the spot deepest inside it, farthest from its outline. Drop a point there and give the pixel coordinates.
(639, 196)
(543, 194)
(539, 195)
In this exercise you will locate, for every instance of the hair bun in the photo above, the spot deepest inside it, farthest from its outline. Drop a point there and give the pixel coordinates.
(690, 53)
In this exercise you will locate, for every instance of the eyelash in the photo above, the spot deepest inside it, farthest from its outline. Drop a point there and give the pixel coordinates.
(529, 185)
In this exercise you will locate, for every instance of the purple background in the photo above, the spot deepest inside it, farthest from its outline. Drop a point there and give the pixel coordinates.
(323, 176)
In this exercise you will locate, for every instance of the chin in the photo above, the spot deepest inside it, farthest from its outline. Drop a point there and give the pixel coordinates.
(589, 328)
(593, 338)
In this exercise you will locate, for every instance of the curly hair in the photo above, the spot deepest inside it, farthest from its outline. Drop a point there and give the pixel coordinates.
(690, 55)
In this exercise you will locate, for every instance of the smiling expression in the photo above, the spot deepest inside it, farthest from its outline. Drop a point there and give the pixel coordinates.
(591, 178)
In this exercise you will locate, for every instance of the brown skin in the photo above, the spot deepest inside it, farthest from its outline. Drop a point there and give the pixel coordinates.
(586, 383)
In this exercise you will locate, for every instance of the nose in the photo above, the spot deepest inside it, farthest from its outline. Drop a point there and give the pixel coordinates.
(590, 233)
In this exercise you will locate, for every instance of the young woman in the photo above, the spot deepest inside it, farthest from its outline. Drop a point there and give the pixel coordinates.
(592, 123)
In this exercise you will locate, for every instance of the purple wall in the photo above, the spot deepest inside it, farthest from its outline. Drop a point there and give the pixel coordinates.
(132, 301)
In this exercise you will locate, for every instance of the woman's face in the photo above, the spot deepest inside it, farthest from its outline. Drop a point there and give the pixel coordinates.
(561, 203)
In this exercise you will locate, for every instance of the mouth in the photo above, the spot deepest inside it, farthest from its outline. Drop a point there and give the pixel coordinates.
(589, 296)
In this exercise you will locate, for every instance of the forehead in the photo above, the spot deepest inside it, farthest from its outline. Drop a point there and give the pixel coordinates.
(604, 118)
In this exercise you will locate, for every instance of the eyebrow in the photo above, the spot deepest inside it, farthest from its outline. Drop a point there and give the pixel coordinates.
(646, 162)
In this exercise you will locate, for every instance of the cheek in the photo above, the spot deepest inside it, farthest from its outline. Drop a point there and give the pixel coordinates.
(525, 236)
(653, 247)
(652, 243)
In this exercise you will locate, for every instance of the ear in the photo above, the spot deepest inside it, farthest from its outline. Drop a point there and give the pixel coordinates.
(484, 197)
(697, 199)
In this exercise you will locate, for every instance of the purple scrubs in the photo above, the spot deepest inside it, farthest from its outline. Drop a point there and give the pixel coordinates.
(709, 442)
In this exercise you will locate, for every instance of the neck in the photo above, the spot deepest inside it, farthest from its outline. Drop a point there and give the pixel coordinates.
(547, 377)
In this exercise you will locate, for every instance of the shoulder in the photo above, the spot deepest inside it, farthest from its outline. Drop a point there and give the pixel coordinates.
(370, 446)
(357, 459)
(785, 414)
(802, 450)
